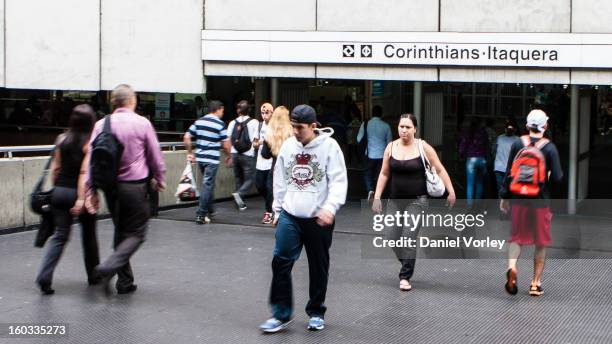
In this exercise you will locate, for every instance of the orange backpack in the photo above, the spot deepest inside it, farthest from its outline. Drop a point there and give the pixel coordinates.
(528, 172)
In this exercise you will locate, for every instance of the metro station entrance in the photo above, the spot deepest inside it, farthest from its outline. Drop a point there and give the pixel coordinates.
(446, 110)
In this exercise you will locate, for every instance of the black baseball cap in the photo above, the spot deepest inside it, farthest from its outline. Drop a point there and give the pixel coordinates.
(303, 114)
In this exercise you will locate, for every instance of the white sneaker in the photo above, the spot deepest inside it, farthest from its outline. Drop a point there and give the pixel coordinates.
(239, 202)
(370, 196)
(273, 325)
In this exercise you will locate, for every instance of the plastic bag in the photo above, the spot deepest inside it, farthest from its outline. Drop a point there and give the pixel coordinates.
(187, 189)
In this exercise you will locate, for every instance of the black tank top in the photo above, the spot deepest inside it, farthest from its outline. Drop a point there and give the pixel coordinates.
(71, 158)
(407, 177)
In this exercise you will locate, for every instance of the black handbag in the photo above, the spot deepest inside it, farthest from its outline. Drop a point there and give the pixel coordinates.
(40, 201)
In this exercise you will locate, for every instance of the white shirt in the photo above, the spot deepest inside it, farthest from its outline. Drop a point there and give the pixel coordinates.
(263, 164)
(253, 127)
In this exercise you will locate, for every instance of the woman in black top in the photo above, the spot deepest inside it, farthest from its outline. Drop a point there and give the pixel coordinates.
(403, 162)
(69, 169)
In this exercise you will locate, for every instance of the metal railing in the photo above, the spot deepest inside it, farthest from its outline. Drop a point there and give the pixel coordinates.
(7, 151)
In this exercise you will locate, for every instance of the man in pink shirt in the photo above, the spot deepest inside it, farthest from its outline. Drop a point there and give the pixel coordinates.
(128, 204)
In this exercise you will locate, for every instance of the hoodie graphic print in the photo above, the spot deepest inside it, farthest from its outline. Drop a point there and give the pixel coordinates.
(311, 177)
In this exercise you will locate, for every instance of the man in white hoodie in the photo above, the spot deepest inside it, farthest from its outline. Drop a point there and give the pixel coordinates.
(310, 185)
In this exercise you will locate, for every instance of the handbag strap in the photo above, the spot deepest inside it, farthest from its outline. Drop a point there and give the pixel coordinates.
(43, 177)
(423, 156)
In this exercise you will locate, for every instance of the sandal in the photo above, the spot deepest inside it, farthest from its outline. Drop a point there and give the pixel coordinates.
(405, 285)
(536, 290)
(511, 282)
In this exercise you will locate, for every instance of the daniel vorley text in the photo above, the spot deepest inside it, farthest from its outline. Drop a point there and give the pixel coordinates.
(461, 241)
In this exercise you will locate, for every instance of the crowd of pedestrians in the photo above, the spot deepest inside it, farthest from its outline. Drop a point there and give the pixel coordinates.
(298, 167)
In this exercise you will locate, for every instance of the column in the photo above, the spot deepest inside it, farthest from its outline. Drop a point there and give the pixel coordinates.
(573, 151)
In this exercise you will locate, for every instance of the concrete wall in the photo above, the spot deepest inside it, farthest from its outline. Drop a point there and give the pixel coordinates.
(521, 16)
(52, 44)
(505, 16)
(20, 174)
(11, 184)
(260, 15)
(154, 46)
(373, 15)
(97, 44)
(592, 16)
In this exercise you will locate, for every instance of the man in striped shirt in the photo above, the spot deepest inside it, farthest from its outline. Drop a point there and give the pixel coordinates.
(210, 136)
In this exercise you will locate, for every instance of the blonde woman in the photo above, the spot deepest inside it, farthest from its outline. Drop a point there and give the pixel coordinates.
(279, 130)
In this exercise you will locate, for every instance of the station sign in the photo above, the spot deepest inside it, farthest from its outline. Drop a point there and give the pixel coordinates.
(547, 50)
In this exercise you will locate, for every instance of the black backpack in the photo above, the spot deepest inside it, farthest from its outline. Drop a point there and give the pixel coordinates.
(106, 151)
(240, 136)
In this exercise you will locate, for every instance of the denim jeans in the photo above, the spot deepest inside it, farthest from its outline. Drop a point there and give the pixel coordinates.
(244, 172)
(476, 171)
(263, 183)
(207, 193)
(291, 234)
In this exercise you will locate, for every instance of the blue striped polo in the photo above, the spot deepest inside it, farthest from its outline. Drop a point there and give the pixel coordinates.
(209, 133)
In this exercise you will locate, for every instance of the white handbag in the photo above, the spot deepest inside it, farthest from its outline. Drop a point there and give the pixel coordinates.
(435, 186)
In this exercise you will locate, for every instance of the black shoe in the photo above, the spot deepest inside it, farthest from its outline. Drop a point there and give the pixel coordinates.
(127, 290)
(199, 220)
(45, 289)
(94, 280)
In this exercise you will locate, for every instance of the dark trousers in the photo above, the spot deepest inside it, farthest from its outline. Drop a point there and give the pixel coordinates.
(499, 178)
(291, 234)
(207, 193)
(406, 255)
(129, 209)
(371, 172)
(62, 200)
(263, 183)
(244, 172)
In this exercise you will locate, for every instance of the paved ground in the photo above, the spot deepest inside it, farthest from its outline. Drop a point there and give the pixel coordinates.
(209, 284)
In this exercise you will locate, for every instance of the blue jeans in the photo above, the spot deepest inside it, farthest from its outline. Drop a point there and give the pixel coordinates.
(476, 171)
(291, 234)
(207, 194)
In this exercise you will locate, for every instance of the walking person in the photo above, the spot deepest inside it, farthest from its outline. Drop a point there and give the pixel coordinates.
(69, 170)
(263, 167)
(210, 139)
(474, 146)
(378, 137)
(279, 130)
(404, 162)
(503, 146)
(310, 185)
(127, 200)
(244, 130)
(526, 196)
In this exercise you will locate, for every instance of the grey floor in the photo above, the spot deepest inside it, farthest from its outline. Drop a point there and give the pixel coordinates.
(209, 284)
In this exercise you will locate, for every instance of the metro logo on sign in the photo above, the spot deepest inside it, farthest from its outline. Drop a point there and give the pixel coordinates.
(348, 50)
(366, 50)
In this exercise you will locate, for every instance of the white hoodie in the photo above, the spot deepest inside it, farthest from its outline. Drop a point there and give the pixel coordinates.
(309, 178)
